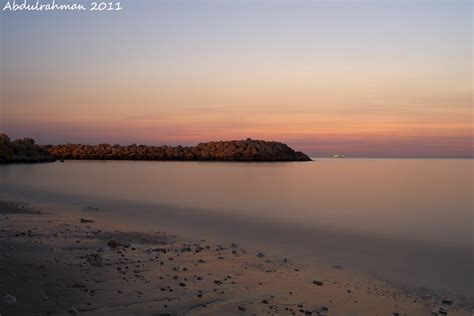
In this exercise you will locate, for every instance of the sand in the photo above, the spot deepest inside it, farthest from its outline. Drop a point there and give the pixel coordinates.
(58, 263)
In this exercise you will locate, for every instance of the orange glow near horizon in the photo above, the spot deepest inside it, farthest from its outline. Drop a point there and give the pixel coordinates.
(323, 77)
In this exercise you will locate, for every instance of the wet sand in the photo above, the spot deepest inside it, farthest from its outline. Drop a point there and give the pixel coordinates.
(62, 264)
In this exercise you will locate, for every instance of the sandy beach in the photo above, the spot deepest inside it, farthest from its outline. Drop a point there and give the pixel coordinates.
(60, 263)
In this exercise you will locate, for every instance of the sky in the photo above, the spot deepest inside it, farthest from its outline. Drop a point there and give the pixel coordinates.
(379, 78)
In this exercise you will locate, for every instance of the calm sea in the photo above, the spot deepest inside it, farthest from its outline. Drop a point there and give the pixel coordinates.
(405, 220)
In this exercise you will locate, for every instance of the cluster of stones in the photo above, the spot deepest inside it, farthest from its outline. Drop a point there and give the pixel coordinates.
(22, 150)
(241, 150)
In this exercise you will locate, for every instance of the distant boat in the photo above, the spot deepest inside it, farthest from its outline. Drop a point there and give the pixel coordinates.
(338, 156)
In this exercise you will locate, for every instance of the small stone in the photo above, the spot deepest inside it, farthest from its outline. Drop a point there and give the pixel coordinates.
(447, 301)
(260, 255)
(113, 243)
(318, 283)
(73, 311)
(84, 220)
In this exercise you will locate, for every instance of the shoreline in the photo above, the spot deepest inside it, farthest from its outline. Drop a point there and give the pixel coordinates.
(438, 268)
(57, 262)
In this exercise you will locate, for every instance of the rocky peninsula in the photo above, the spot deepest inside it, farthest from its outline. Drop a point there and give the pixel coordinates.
(26, 150)
(22, 150)
(235, 150)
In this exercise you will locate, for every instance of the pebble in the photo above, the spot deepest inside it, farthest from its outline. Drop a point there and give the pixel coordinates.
(85, 220)
(113, 243)
(73, 310)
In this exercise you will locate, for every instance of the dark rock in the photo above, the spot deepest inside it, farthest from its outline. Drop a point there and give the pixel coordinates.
(260, 255)
(22, 150)
(442, 311)
(318, 283)
(84, 220)
(73, 311)
(113, 243)
(447, 301)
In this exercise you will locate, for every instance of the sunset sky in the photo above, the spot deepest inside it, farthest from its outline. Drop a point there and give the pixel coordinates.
(363, 78)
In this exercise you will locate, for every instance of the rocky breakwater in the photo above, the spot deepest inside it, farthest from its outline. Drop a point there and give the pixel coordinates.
(22, 150)
(236, 150)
